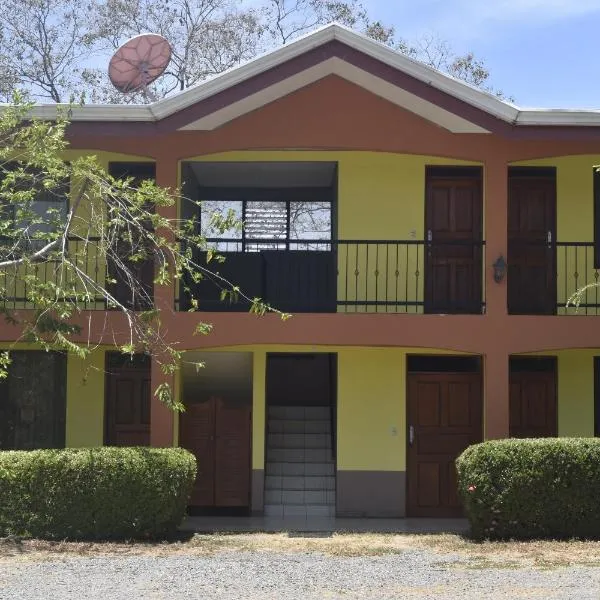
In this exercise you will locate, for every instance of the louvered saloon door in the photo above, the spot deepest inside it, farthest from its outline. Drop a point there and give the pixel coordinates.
(218, 435)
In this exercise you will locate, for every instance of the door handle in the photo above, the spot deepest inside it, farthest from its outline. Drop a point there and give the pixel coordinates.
(411, 435)
(549, 239)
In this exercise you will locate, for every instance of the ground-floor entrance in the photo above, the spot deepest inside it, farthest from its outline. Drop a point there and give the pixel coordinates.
(216, 428)
(301, 435)
(444, 417)
(127, 400)
(33, 401)
(533, 396)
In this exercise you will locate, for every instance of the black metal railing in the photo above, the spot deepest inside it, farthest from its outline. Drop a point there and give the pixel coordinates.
(407, 276)
(544, 278)
(78, 288)
(84, 253)
(575, 271)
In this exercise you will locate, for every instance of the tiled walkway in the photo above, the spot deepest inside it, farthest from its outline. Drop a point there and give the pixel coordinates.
(322, 525)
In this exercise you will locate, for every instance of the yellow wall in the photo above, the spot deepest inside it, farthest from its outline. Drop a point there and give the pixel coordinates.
(371, 409)
(371, 403)
(575, 223)
(87, 258)
(381, 196)
(259, 393)
(85, 400)
(576, 392)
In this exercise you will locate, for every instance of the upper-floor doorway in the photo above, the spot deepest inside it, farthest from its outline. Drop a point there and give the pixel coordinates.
(531, 240)
(454, 240)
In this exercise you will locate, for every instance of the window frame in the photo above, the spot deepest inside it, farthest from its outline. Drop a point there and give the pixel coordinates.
(65, 200)
(286, 196)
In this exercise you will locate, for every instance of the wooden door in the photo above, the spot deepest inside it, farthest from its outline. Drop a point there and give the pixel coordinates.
(197, 434)
(453, 226)
(232, 455)
(533, 402)
(119, 267)
(127, 400)
(218, 435)
(33, 401)
(531, 241)
(445, 414)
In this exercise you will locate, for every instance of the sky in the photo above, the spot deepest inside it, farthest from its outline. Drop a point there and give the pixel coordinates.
(543, 53)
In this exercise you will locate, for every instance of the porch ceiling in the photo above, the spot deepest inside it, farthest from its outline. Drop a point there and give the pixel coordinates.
(264, 174)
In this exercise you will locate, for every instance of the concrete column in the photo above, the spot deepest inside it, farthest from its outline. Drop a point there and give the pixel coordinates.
(496, 395)
(167, 175)
(161, 417)
(496, 232)
(259, 378)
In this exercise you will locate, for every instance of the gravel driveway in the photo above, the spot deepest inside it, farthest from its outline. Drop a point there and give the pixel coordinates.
(253, 575)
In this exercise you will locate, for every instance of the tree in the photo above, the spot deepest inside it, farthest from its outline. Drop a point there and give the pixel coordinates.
(46, 45)
(43, 44)
(117, 221)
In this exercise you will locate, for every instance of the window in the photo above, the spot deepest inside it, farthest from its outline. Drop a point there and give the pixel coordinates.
(269, 225)
(46, 213)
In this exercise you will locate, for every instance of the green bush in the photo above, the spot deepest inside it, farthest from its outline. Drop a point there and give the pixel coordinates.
(95, 493)
(535, 488)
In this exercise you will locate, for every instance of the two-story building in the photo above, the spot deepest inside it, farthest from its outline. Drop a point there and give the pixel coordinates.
(426, 237)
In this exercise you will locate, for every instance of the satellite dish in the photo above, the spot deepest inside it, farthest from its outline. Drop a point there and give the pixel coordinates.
(138, 62)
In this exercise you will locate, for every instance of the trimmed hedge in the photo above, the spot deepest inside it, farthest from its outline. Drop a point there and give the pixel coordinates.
(532, 488)
(94, 493)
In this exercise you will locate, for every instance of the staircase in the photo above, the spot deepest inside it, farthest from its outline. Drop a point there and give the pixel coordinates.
(300, 473)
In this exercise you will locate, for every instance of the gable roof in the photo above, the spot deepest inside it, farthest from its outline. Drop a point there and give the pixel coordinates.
(333, 50)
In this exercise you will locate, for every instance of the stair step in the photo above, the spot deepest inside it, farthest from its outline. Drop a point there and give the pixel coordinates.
(299, 440)
(299, 455)
(308, 510)
(298, 426)
(299, 412)
(300, 497)
(299, 482)
(295, 469)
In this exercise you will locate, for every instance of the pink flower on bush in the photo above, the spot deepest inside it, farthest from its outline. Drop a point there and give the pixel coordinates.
(472, 488)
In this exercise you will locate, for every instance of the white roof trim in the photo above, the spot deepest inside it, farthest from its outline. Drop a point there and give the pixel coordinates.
(459, 89)
(337, 66)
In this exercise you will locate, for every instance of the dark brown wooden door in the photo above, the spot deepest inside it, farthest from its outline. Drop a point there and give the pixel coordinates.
(232, 455)
(445, 414)
(127, 401)
(197, 434)
(218, 435)
(531, 242)
(533, 403)
(33, 401)
(453, 261)
(120, 270)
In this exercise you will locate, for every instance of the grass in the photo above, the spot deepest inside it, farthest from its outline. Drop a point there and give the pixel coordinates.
(454, 551)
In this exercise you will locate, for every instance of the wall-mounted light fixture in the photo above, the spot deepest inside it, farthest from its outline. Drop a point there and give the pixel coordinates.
(499, 269)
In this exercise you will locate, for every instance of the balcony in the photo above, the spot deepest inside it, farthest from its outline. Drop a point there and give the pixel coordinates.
(543, 276)
(358, 276)
(86, 255)
(347, 276)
